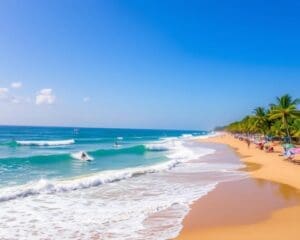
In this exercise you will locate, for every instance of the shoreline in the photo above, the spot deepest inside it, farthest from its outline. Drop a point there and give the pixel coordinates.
(266, 206)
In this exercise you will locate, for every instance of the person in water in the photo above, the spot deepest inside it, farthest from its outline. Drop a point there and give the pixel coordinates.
(83, 155)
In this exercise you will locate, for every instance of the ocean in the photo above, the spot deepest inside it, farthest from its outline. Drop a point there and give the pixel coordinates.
(137, 184)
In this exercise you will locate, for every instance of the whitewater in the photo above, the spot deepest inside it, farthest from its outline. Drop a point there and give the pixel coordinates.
(141, 189)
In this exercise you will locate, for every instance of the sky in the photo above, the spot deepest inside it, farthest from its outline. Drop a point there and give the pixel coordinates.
(145, 64)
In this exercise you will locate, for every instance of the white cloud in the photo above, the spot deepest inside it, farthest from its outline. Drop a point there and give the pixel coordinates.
(45, 96)
(7, 97)
(3, 92)
(86, 99)
(16, 84)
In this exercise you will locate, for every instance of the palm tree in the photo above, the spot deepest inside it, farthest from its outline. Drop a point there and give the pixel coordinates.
(295, 128)
(261, 120)
(277, 129)
(285, 109)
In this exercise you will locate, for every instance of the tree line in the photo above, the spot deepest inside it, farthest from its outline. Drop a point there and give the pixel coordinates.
(280, 119)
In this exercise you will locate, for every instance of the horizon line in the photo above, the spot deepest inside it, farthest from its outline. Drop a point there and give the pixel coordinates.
(121, 128)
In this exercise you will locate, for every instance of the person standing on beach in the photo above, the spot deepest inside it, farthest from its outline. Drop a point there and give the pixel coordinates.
(248, 142)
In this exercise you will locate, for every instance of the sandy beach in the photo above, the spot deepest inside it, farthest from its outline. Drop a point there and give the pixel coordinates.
(264, 206)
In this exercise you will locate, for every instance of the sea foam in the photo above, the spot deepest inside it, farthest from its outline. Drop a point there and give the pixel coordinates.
(178, 154)
(78, 156)
(45, 143)
(148, 204)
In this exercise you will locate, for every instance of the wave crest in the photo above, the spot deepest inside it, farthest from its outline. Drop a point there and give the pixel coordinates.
(81, 155)
(179, 154)
(157, 147)
(50, 187)
(46, 143)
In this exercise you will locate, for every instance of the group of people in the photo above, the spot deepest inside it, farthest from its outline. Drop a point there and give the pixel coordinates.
(267, 144)
(261, 143)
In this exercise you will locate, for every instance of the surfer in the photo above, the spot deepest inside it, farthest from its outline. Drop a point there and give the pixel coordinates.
(83, 155)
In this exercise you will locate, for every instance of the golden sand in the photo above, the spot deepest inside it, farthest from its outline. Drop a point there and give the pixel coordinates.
(264, 207)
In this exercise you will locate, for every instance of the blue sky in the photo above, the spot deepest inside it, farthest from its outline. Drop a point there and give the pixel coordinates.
(145, 64)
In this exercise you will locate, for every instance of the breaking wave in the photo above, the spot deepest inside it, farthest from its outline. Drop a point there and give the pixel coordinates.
(46, 143)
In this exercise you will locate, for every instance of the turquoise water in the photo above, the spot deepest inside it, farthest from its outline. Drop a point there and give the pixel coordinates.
(139, 184)
(32, 153)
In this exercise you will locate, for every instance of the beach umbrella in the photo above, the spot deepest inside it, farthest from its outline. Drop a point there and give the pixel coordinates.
(288, 145)
(296, 150)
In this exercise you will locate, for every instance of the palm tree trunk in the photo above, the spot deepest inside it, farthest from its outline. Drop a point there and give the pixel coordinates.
(287, 129)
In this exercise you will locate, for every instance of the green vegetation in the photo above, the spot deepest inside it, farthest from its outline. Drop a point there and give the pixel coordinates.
(281, 119)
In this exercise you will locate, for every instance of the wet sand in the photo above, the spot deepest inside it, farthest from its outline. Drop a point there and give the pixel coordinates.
(265, 206)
